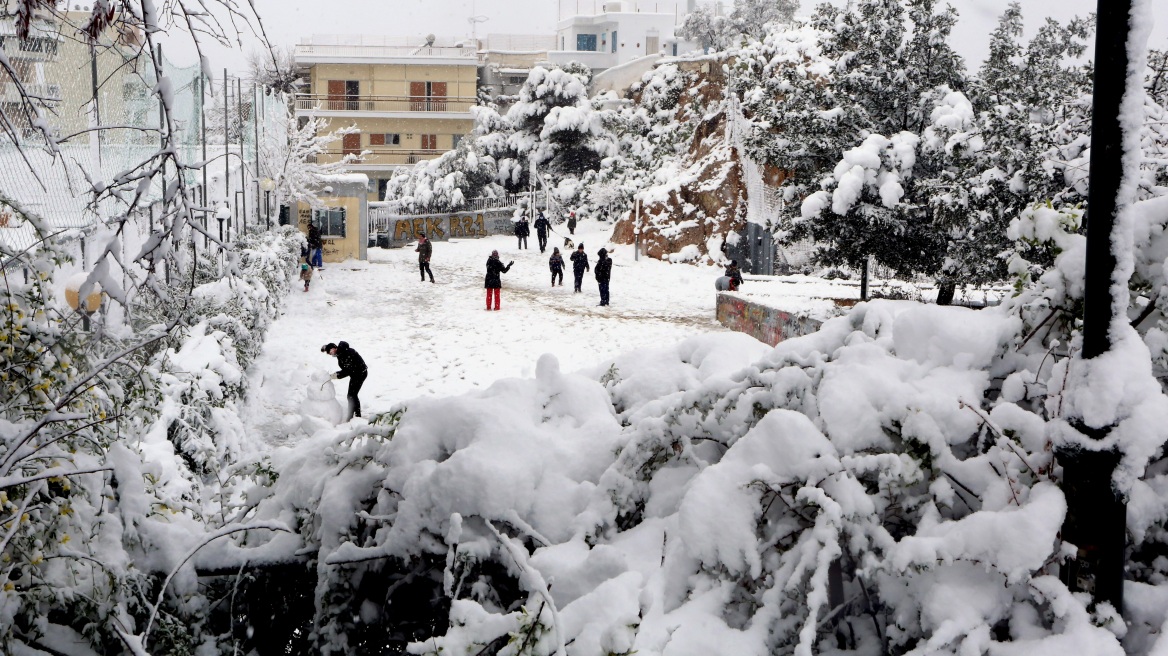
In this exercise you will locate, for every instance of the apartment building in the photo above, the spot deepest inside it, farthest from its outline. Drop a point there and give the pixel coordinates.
(603, 34)
(410, 99)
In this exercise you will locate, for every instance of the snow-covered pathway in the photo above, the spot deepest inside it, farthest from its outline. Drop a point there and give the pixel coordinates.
(437, 339)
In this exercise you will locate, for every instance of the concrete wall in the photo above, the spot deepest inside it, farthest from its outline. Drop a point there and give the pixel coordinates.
(766, 324)
(441, 227)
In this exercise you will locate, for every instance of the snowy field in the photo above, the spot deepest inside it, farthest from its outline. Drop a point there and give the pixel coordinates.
(423, 339)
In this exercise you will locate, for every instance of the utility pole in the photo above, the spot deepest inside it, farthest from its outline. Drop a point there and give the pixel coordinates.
(242, 156)
(1096, 520)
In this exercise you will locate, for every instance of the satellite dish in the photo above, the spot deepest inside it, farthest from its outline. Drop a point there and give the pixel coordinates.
(430, 40)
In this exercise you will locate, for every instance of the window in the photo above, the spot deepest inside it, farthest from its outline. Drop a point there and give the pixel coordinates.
(384, 139)
(429, 142)
(330, 221)
(586, 42)
(614, 40)
(351, 144)
(516, 79)
(651, 45)
(382, 183)
(456, 139)
(343, 94)
(427, 96)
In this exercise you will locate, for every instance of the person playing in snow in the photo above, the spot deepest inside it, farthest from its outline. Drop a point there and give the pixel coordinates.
(572, 223)
(306, 275)
(556, 263)
(541, 230)
(353, 368)
(603, 272)
(734, 274)
(522, 230)
(424, 250)
(579, 266)
(494, 282)
(315, 246)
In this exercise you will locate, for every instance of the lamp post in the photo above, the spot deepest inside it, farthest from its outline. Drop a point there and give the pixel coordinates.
(86, 306)
(268, 184)
(547, 192)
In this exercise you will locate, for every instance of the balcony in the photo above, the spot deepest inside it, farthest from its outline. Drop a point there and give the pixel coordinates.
(384, 104)
(382, 156)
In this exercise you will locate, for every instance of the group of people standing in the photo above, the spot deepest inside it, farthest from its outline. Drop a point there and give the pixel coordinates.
(579, 258)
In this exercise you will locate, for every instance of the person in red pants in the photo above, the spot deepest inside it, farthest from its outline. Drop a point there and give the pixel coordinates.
(494, 282)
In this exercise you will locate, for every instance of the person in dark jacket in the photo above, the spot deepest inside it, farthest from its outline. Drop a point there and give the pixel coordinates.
(734, 274)
(315, 247)
(424, 250)
(353, 368)
(494, 282)
(556, 264)
(603, 272)
(572, 223)
(579, 266)
(541, 231)
(522, 230)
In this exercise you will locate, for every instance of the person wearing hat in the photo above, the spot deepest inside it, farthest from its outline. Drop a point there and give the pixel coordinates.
(494, 281)
(735, 276)
(352, 367)
(424, 249)
(572, 223)
(603, 272)
(541, 230)
(579, 266)
(306, 275)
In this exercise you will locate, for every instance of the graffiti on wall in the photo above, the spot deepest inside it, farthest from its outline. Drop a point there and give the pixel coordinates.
(767, 325)
(441, 228)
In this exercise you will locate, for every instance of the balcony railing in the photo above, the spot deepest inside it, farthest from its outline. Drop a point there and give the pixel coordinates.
(375, 155)
(324, 102)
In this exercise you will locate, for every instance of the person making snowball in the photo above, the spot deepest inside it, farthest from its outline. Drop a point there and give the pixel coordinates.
(579, 266)
(541, 231)
(603, 272)
(424, 250)
(494, 282)
(353, 368)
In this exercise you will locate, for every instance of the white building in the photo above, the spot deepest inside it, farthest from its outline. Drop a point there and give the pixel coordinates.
(603, 34)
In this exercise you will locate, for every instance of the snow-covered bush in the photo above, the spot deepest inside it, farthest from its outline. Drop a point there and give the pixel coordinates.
(101, 436)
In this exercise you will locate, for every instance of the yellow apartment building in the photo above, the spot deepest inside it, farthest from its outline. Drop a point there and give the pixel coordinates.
(410, 99)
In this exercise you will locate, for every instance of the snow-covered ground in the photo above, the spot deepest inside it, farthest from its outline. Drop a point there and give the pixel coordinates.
(423, 339)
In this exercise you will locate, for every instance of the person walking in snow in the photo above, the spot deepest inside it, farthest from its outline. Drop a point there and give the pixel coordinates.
(556, 263)
(572, 223)
(494, 282)
(541, 230)
(306, 275)
(315, 247)
(522, 230)
(603, 272)
(734, 274)
(579, 266)
(424, 250)
(353, 368)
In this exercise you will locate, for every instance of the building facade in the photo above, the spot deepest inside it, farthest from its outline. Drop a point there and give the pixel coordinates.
(411, 102)
(606, 34)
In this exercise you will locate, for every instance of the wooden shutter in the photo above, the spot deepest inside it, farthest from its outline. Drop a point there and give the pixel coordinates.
(351, 143)
(417, 96)
(429, 142)
(438, 96)
(377, 139)
(336, 94)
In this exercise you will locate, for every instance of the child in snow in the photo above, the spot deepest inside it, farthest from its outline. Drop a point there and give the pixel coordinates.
(493, 281)
(734, 274)
(306, 275)
(579, 266)
(556, 263)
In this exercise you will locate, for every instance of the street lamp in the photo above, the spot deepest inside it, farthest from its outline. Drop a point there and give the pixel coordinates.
(87, 306)
(547, 192)
(268, 184)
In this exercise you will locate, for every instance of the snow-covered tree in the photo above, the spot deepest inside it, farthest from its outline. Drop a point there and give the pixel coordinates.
(291, 157)
(275, 71)
(446, 183)
(709, 29)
